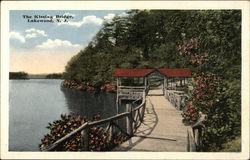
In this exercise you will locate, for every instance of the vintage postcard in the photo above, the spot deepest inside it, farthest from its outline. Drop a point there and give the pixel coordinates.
(125, 80)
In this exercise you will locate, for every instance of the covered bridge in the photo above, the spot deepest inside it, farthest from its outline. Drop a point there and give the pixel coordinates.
(130, 82)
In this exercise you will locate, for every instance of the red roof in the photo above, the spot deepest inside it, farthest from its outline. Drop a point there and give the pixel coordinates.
(119, 72)
(171, 72)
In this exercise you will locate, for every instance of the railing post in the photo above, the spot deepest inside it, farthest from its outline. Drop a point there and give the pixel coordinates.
(85, 139)
(196, 137)
(143, 112)
(191, 142)
(117, 103)
(129, 119)
(111, 131)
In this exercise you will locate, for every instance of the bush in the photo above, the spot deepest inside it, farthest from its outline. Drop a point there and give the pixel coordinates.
(218, 99)
(232, 146)
(85, 86)
(98, 139)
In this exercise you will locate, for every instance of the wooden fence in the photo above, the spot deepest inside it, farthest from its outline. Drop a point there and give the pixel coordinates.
(134, 118)
(194, 135)
(131, 92)
(177, 98)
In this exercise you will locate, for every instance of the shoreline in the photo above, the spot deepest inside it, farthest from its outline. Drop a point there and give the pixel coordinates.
(86, 86)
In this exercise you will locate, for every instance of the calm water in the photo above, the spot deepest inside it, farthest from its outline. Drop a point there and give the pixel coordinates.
(34, 103)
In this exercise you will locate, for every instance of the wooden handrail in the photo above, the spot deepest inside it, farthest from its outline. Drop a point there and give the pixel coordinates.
(177, 98)
(194, 134)
(66, 137)
(118, 116)
(132, 87)
(141, 105)
(90, 124)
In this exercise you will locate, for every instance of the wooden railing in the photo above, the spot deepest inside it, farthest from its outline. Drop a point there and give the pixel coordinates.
(131, 92)
(134, 118)
(194, 135)
(177, 98)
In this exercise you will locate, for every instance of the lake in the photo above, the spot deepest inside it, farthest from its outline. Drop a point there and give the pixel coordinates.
(36, 102)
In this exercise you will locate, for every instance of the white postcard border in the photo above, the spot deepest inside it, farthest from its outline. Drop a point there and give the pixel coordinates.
(6, 6)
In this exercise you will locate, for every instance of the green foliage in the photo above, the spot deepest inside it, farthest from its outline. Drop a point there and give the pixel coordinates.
(232, 146)
(18, 75)
(54, 76)
(148, 39)
(98, 139)
(85, 86)
(218, 99)
(220, 125)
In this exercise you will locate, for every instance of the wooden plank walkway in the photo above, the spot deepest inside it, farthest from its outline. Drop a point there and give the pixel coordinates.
(162, 129)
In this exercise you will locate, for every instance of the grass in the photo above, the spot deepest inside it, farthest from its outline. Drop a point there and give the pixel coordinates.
(232, 146)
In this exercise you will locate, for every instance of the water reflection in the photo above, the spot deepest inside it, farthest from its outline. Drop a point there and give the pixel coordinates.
(36, 102)
(88, 104)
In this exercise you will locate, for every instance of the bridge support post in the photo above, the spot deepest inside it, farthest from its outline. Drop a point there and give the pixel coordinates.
(129, 120)
(85, 139)
(118, 104)
(196, 137)
(145, 82)
(164, 85)
(111, 130)
(143, 112)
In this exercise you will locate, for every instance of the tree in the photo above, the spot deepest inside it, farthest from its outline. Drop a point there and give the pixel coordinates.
(18, 75)
(148, 39)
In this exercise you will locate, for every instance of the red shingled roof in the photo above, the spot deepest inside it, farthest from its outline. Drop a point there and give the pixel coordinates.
(119, 72)
(171, 72)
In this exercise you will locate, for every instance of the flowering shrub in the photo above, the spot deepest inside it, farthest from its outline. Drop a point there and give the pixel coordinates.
(108, 87)
(191, 111)
(98, 139)
(199, 59)
(83, 86)
(190, 114)
(74, 85)
(209, 95)
(188, 47)
(204, 90)
(59, 128)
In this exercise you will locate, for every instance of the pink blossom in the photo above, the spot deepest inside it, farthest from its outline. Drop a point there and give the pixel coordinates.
(191, 47)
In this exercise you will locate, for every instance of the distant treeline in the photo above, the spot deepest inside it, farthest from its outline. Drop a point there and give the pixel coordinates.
(54, 76)
(18, 75)
(24, 75)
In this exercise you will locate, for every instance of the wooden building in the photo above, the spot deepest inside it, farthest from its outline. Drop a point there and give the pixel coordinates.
(133, 84)
(138, 78)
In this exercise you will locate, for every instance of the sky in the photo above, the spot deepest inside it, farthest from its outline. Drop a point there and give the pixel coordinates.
(46, 47)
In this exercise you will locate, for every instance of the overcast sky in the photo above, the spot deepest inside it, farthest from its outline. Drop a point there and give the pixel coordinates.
(46, 47)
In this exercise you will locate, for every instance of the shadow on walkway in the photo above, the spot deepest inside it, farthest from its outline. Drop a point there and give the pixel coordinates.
(146, 128)
(161, 130)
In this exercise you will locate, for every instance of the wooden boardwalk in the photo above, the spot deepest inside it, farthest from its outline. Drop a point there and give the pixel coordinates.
(162, 129)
